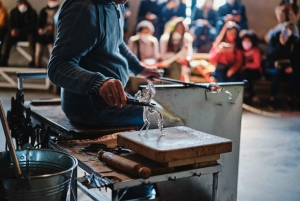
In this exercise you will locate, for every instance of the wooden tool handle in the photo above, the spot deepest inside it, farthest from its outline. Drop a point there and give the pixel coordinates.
(128, 166)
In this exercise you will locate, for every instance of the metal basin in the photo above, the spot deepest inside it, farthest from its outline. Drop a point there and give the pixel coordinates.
(50, 175)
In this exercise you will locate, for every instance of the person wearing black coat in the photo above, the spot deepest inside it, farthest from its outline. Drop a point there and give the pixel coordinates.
(22, 27)
(283, 56)
(232, 10)
(45, 30)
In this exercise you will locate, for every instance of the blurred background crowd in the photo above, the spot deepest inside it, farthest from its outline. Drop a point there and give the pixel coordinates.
(181, 37)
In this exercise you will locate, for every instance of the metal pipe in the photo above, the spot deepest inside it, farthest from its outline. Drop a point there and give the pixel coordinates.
(204, 86)
(10, 142)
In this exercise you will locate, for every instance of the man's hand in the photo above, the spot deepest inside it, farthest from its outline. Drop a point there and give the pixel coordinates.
(150, 16)
(40, 31)
(288, 70)
(113, 93)
(14, 32)
(150, 73)
(237, 18)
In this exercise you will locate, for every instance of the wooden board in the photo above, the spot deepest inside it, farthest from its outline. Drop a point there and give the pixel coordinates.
(178, 143)
(190, 161)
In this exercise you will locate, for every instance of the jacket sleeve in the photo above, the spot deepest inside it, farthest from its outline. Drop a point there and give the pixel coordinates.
(244, 19)
(214, 54)
(76, 36)
(33, 22)
(42, 18)
(133, 62)
(256, 60)
(238, 61)
(274, 47)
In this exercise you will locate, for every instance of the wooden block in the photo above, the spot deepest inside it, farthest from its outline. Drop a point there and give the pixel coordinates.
(178, 143)
(190, 161)
(204, 164)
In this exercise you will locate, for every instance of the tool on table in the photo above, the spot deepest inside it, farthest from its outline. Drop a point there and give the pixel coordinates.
(23, 179)
(128, 166)
(129, 101)
(103, 147)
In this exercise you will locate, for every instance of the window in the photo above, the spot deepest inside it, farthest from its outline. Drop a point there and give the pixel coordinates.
(187, 20)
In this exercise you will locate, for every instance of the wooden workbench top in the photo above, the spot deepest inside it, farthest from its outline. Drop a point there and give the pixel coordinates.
(178, 143)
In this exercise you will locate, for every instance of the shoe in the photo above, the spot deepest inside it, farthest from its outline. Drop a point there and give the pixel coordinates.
(271, 105)
(31, 64)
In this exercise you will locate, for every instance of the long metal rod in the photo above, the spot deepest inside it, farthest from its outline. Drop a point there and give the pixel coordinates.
(204, 86)
(10, 142)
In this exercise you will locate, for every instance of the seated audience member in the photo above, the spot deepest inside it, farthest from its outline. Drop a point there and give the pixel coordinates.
(232, 10)
(252, 70)
(22, 27)
(3, 23)
(175, 47)
(127, 14)
(285, 11)
(226, 54)
(170, 10)
(280, 53)
(149, 10)
(144, 45)
(45, 30)
(204, 21)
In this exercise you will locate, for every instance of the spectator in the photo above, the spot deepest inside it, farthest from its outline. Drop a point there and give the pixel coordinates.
(175, 47)
(295, 77)
(226, 54)
(252, 70)
(127, 14)
(280, 53)
(45, 30)
(170, 10)
(3, 23)
(232, 11)
(285, 11)
(150, 10)
(204, 19)
(144, 45)
(22, 27)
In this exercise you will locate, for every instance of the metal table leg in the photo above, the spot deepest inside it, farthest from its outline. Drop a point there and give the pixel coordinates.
(114, 195)
(215, 187)
(73, 190)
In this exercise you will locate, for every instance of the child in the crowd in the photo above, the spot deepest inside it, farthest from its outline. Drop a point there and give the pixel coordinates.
(144, 45)
(175, 46)
(252, 70)
(226, 54)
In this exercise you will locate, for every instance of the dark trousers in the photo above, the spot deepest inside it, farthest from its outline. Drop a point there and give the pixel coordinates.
(11, 41)
(251, 75)
(293, 80)
(2, 37)
(221, 74)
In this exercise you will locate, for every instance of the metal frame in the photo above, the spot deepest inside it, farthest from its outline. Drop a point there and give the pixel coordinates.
(10, 81)
(115, 187)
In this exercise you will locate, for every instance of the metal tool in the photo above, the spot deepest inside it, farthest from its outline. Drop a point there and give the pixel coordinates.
(129, 101)
(23, 178)
(103, 147)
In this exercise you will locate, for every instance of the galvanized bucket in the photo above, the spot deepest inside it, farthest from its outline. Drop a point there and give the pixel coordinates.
(50, 174)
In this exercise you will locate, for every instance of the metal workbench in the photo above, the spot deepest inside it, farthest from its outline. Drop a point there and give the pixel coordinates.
(128, 181)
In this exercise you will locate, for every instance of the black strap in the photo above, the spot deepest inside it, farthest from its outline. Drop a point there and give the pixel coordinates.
(138, 50)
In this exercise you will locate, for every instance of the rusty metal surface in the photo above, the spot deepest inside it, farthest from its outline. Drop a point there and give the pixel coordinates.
(56, 118)
(178, 143)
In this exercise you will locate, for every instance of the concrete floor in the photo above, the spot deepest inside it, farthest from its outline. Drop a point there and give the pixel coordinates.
(269, 167)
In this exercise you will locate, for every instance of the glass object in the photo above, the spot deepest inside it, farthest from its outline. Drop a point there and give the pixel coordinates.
(146, 95)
